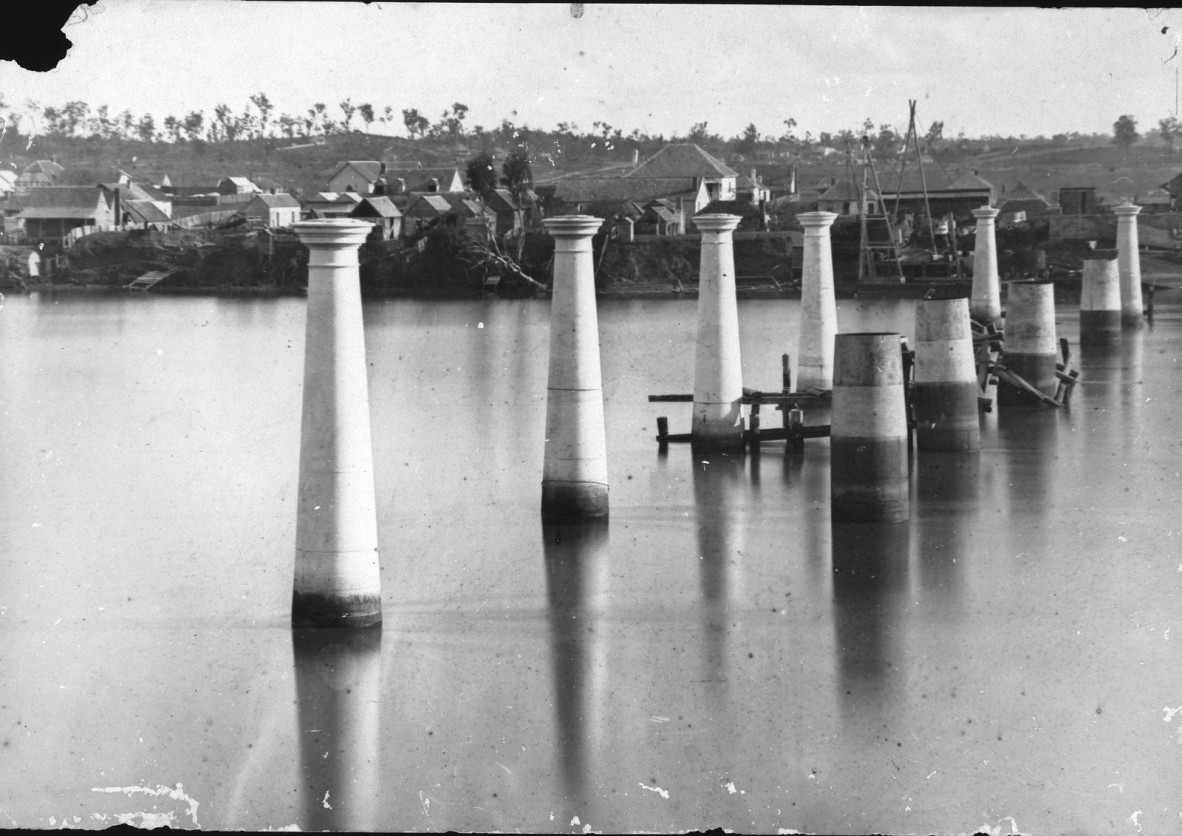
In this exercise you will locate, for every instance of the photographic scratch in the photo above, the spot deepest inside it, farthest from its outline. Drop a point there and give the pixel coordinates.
(178, 793)
(663, 793)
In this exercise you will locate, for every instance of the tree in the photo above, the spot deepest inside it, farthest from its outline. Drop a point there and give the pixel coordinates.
(698, 132)
(1170, 130)
(788, 136)
(265, 107)
(516, 172)
(172, 127)
(748, 140)
(935, 134)
(1124, 131)
(366, 111)
(481, 173)
(146, 128)
(193, 124)
(348, 108)
(416, 123)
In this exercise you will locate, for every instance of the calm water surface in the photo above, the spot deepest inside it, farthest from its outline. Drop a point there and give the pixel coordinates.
(720, 654)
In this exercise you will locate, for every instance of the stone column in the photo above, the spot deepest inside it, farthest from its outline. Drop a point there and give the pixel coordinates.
(945, 393)
(574, 472)
(1099, 300)
(718, 372)
(985, 301)
(1031, 347)
(1129, 264)
(818, 304)
(337, 580)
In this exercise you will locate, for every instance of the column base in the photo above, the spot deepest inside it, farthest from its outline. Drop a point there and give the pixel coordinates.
(573, 501)
(869, 479)
(946, 416)
(1132, 320)
(317, 609)
(1099, 327)
(1036, 369)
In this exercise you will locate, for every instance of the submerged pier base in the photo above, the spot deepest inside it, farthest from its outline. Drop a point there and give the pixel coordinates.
(1031, 346)
(574, 471)
(869, 466)
(1099, 300)
(337, 578)
(945, 394)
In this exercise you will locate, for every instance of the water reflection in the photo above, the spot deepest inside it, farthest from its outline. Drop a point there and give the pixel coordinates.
(338, 692)
(946, 503)
(718, 479)
(870, 571)
(576, 579)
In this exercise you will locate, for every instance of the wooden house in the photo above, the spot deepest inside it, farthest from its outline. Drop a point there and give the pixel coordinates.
(685, 159)
(424, 211)
(504, 205)
(274, 210)
(479, 219)
(38, 175)
(236, 186)
(382, 213)
(52, 212)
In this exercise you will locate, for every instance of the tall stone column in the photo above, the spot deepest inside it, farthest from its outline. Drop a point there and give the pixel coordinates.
(985, 299)
(337, 579)
(718, 372)
(1128, 260)
(574, 474)
(818, 304)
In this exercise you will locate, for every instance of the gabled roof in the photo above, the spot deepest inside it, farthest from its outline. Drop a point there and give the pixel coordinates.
(428, 205)
(470, 208)
(639, 189)
(742, 208)
(277, 201)
(237, 181)
(348, 197)
(45, 167)
(420, 179)
(134, 191)
(145, 211)
(62, 202)
(1022, 194)
(376, 207)
(970, 181)
(682, 159)
(369, 170)
(844, 190)
(913, 181)
(265, 182)
(500, 200)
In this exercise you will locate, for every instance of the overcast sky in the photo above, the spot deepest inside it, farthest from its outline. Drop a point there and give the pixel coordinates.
(656, 68)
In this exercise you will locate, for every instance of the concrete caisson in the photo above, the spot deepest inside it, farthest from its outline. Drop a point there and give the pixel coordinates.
(1099, 301)
(945, 391)
(985, 304)
(337, 577)
(574, 474)
(869, 465)
(1031, 344)
(818, 304)
(718, 371)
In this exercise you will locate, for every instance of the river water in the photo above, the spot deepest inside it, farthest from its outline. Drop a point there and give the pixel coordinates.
(719, 654)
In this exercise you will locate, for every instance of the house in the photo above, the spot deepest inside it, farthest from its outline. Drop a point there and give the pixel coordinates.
(504, 204)
(1025, 201)
(142, 214)
(685, 159)
(236, 185)
(53, 211)
(751, 188)
(355, 176)
(915, 193)
(610, 197)
(1156, 200)
(845, 198)
(480, 220)
(125, 191)
(327, 205)
(442, 180)
(752, 217)
(38, 175)
(1077, 200)
(268, 185)
(422, 212)
(658, 217)
(1174, 187)
(382, 213)
(275, 210)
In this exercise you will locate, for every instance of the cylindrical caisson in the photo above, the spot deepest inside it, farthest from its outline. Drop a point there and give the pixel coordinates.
(1099, 300)
(574, 469)
(1031, 345)
(337, 579)
(818, 304)
(868, 436)
(986, 293)
(945, 393)
(1128, 261)
(718, 372)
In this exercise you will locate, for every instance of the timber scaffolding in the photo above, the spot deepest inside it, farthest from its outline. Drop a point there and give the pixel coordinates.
(991, 369)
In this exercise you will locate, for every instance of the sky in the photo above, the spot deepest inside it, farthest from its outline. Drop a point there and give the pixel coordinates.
(659, 69)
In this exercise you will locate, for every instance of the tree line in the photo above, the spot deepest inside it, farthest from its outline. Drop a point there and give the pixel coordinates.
(258, 119)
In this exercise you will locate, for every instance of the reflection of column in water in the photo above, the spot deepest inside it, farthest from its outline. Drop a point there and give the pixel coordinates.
(814, 483)
(717, 481)
(576, 578)
(338, 691)
(870, 566)
(946, 502)
(1029, 439)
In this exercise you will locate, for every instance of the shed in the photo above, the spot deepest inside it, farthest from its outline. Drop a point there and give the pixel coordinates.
(275, 210)
(382, 212)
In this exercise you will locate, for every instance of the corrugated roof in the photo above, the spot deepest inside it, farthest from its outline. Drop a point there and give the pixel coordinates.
(500, 200)
(470, 208)
(380, 207)
(368, 169)
(1022, 194)
(682, 159)
(970, 181)
(428, 205)
(640, 189)
(62, 202)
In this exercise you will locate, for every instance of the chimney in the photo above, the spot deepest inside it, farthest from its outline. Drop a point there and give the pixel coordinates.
(381, 167)
(635, 156)
(753, 180)
(400, 186)
(792, 180)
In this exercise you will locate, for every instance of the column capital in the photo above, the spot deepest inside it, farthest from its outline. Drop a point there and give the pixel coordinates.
(986, 213)
(816, 220)
(1126, 210)
(716, 223)
(573, 226)
(334, 232)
